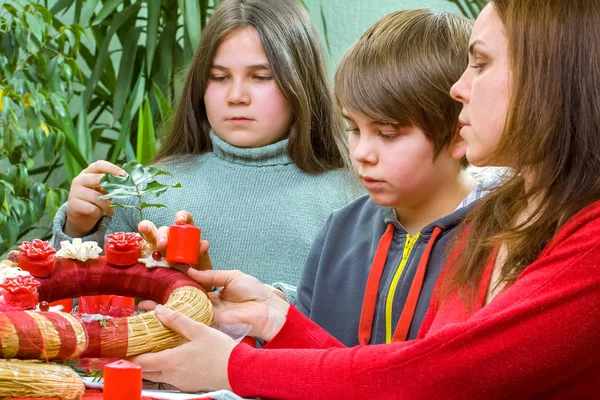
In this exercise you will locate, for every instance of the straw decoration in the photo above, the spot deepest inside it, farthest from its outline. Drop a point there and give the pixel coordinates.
(147, 334)
(34, 379)
(58, 335)
(29, 335)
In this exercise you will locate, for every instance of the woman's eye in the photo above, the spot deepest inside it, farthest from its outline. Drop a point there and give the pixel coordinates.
(354, 131)
(478, 67)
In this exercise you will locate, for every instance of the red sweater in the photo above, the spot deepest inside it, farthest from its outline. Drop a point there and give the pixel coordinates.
(540, 338)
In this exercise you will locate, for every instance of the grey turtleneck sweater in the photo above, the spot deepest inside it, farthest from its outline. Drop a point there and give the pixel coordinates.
(258, 210)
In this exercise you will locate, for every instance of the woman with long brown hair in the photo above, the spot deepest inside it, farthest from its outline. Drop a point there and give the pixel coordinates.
(515, 312)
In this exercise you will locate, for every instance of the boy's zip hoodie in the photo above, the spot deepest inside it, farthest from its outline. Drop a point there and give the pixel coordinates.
(342, 264)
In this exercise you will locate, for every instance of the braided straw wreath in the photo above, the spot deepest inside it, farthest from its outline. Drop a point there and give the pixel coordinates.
(29, 335)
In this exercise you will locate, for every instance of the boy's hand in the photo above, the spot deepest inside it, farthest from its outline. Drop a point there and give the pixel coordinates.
(159, 237)
(84, 209)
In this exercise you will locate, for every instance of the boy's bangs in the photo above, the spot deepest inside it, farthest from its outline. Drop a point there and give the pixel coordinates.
(375, 94)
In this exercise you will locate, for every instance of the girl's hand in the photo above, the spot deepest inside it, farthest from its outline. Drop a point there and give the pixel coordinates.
(84, 209)
(243, 299)
(198, 365)
(159, 237)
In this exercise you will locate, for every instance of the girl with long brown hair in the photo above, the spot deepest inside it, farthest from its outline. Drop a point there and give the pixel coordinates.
(256, 143)
(516, 308)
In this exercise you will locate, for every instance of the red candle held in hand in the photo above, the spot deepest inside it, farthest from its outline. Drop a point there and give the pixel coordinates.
(184, 244)
(122, 381)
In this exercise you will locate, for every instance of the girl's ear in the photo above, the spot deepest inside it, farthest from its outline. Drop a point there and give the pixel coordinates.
(458, 147)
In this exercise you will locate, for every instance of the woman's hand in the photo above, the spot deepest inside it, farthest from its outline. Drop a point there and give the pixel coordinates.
(159, 238)
(198, 365)
(84, 209)
(241, 299)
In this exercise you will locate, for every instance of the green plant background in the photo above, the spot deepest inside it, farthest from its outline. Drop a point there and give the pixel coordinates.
(83, 80)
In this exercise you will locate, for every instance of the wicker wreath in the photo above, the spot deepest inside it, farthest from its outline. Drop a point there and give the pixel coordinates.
(45, 336)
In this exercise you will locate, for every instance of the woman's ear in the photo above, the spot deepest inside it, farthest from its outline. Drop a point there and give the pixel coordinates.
(458, 147)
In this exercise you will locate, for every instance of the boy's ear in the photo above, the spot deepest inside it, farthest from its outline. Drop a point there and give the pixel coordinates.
(458, 147)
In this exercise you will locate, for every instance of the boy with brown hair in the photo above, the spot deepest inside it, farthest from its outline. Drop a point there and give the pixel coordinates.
(369, 276)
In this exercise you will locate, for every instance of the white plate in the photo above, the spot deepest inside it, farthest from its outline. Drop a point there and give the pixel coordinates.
(90, 383)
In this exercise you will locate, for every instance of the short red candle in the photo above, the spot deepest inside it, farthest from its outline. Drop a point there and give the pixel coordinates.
(26, 301)
(120, 258)
(122, 381)
(184, 244)
(37, 268)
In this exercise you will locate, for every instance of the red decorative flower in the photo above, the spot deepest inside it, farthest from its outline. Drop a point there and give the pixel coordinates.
(37, 249)
(20, 284)
(122, 241)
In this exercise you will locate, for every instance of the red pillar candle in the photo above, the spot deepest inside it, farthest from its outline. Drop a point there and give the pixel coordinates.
(122, 381)
(184, 244)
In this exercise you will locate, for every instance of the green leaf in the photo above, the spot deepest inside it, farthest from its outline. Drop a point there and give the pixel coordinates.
(34, 211)
(21, 179)
(157, 189)
(152, 32)
(143, 175)
(10, 232)
(52, 203)
(137, 96)
(36, 26)
(119, 205)
(3, 221)
(203, 12)
(107, 9)
(166, 51)
(75, 162)
(33, 120)
(157, 205)
(58, 104)
(88, 11)
(117, 192)
(19, 208)
(193, 23)
(60, 141)
(46, 14)
(53, 74)
(103, 54)
(146, 141)
(129, 153)
(61, 5)
(84, 139)
(126, 65)
(49, 147)
(138, 177)
(163, 104)
(79, 160)
(37, 194)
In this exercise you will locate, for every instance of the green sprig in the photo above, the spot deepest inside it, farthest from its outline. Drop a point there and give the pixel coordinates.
(139, 181)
